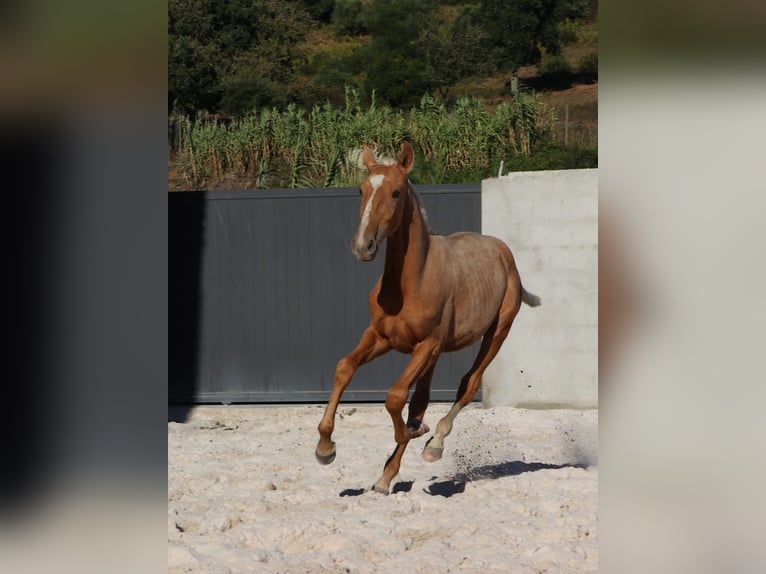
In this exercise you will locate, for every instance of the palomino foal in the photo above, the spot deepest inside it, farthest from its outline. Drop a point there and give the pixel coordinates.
(437, 294)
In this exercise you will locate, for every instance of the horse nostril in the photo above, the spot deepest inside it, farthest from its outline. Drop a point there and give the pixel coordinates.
(370, 244)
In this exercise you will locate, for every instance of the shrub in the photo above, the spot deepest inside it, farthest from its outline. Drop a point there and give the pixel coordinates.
(568, 32)
(556, 71)
(554, 156)
(556, 66)
(588, 67)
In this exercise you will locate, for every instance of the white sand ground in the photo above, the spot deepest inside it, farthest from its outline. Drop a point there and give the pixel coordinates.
(516, 491)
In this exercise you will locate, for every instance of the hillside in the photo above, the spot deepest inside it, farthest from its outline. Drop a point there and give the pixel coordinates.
(323, 67)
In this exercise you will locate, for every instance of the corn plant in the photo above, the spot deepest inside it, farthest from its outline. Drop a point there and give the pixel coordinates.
(296, 147)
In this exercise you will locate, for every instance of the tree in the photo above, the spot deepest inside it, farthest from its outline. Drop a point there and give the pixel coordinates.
(319, 10)
(347, 17)
(230, 56)
(394, 63)
(454, 51)
(193, 75)
(193, 59)
(516, 30)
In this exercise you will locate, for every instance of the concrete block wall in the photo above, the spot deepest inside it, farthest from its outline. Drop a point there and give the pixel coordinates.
(549, 219)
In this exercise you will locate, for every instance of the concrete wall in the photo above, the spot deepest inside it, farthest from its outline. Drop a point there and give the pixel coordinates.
(549, 219)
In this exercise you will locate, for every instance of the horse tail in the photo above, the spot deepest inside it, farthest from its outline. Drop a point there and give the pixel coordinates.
(529, 298)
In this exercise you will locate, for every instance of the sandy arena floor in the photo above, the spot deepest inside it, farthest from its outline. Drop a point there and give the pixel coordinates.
(516, 491)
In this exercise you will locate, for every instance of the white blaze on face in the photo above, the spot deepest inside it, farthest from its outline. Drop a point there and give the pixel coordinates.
(375, 181)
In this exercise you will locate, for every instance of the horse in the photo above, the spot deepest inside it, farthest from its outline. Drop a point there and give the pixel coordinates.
(437, 294)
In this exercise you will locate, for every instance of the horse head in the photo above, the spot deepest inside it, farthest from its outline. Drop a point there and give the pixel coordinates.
(384, 194)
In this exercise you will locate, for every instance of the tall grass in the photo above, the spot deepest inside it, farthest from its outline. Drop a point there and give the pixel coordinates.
(320, 147)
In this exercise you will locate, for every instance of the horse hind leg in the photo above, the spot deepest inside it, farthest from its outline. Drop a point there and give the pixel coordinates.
(471, 381)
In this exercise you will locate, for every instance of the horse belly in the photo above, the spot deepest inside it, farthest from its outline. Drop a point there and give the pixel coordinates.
(467, 332)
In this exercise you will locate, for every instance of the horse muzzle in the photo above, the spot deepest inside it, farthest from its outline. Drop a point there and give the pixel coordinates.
(365, 249)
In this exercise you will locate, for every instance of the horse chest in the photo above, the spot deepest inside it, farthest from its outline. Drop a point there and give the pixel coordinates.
(403, 321)
(399, 333)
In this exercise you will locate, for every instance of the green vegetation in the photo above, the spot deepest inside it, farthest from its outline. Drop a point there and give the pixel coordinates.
(275, 93)
(321, 147)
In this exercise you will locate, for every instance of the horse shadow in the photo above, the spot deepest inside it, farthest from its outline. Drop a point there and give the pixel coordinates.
(456, 484)
(404, 486)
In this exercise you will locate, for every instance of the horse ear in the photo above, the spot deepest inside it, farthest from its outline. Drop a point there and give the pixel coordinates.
(406, 157)
(368, 158)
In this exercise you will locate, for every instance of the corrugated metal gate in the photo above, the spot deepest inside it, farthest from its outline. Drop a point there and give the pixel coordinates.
(266, 297)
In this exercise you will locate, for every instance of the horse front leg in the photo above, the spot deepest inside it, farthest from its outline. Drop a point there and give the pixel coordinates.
(370, 346)
(419, 403)
(424, 358)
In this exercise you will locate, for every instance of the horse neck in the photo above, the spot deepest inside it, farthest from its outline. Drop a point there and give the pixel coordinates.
(407, 248)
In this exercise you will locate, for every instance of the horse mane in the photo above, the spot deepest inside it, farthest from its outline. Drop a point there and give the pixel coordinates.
(422, 209)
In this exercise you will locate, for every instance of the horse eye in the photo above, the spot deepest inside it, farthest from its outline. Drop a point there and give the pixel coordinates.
(396, 194)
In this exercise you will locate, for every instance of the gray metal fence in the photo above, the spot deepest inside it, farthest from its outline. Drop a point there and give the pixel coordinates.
(266, 297)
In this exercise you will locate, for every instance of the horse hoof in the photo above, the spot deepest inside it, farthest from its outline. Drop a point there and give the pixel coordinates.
(432, 454)
(325, 459)
(380, 489)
